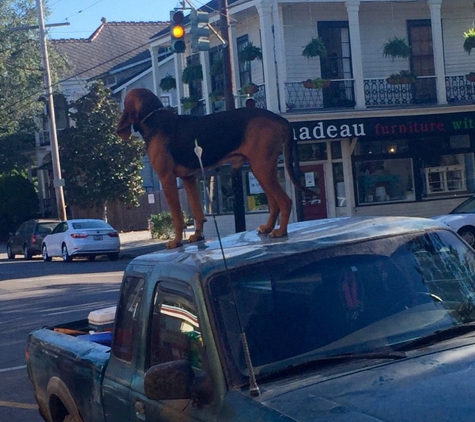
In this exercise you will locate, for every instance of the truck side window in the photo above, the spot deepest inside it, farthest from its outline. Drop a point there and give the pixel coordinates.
(128, 318)
(175, 330)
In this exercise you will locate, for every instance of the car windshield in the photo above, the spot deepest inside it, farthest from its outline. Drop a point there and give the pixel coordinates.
(360, 298)
(466, 207)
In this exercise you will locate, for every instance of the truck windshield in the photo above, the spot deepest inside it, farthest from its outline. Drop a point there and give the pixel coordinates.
(354, 298)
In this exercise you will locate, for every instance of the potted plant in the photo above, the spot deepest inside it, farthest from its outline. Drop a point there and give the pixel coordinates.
(249, 89)
(317, 83)
(189, 103)
(316, 47)
(470, 77)
(403, 77)
(167, 83)
(192, 73)
(250, 52)
(469, 42)
(396, 47)
(216, 96)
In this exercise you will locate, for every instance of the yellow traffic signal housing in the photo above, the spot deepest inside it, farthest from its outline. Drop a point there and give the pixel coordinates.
(177, 31)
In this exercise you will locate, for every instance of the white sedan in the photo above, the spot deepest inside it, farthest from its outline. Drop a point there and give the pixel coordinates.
(462, 220)
(85, 237)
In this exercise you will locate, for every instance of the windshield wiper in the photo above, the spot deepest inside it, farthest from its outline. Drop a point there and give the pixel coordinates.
(322, 360)
(438, 336)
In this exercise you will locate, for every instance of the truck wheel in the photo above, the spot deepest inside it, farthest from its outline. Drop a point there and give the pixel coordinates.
(468, 234)
(62, 406)
(10, 253)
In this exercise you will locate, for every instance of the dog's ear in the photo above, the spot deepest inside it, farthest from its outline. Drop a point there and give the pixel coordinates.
(128, 118)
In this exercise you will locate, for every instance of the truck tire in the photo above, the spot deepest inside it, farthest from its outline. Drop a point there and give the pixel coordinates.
(61, 404)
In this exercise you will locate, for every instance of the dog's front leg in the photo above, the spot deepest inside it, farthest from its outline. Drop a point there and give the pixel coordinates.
(170, 190)
(191, 188)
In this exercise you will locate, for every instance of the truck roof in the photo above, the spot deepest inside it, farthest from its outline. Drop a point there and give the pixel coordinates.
(249, 246)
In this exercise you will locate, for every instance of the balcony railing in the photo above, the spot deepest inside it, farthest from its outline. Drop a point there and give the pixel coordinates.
(338, 94)
(459, 88)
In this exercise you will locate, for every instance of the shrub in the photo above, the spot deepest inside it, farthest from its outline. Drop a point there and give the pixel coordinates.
(161, 225)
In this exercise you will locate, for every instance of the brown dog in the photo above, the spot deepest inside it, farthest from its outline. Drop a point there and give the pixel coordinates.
(234, 137)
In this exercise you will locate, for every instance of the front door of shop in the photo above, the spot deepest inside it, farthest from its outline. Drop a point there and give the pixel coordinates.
(313, 206)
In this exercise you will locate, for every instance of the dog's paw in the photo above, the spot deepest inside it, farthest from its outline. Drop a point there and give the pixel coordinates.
(172, 244)
(277, 233)
(264, 229)
(196, 237)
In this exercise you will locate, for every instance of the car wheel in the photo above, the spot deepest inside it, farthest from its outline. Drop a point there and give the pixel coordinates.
(44, 252)
(91, 258)
(10, 253)
(468, 234)
(26, 253)
(65, 254)
(113, 256)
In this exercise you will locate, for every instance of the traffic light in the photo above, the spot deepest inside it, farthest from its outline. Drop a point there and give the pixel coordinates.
(199, 31)
(177, 31)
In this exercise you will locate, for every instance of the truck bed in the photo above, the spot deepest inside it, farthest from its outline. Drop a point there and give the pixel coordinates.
(76, 360)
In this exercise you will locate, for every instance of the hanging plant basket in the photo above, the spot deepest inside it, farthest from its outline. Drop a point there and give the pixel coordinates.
(469, 42)
(249, 53)
(404, 77)
(470, 77)
(216, 67)
(396, 47)
(315, 48)
(192, 73)
(249, 89)
(318, 83)
(216, 96)
(167, 83)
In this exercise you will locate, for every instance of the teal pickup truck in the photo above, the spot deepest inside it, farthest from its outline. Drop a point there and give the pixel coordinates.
(347, 319)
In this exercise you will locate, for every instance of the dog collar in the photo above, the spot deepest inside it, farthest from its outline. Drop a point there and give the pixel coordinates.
(149, 114)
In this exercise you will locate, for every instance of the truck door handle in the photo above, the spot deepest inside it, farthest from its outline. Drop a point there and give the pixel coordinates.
(139, 408)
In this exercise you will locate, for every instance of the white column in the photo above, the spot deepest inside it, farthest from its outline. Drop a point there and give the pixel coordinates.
(155, 70)
(264, 9)
(204, 60)
(280, 55)
(352, 7)
(438, 50)
(234, 63)
(179, 84)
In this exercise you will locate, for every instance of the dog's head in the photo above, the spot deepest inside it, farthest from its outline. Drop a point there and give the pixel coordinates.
(138, 104)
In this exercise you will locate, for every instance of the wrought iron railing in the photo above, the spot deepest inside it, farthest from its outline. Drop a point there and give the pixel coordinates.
(460, 88)
(335, 94)
(378, 92)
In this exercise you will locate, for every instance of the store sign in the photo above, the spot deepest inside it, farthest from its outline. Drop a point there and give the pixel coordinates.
(384, 126)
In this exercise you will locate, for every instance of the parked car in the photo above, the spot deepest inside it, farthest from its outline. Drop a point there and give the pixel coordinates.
(462, 220)
(28, 237)
(85, 237)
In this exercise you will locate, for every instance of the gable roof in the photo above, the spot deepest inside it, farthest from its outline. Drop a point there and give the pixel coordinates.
(111, 44)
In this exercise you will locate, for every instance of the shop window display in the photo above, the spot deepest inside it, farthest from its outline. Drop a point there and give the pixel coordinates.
(382, 181)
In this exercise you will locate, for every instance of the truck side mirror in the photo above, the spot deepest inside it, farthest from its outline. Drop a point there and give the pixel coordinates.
(169, 381)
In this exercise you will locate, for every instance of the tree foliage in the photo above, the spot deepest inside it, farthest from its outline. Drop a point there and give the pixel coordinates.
(98, 167)
(18, 202)
(21, 83)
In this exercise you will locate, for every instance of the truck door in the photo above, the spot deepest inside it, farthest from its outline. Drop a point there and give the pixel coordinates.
(174, 333)
(125, 351)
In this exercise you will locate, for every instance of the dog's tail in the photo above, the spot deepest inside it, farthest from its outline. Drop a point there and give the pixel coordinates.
(289, 162)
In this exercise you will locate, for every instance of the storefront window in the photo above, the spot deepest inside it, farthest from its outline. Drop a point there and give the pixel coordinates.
(382, 147)
(339, 182)
(383, 181)
(315, 151)
(256, 200)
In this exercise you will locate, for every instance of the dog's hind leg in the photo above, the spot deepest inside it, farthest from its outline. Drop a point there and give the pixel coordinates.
(191, 188)
(170, 190)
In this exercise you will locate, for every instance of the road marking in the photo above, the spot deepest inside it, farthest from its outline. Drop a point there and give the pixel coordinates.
(18, 405)
(14, 368)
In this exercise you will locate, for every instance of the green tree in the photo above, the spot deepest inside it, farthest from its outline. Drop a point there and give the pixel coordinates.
(98, 167)
(21, 83)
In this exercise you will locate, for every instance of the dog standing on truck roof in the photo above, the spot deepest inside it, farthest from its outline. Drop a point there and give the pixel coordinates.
(243, 135)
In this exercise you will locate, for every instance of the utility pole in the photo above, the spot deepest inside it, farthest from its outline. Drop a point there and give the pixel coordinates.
(239, 212)
(58, 181)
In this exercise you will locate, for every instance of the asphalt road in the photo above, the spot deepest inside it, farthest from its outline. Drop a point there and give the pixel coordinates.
(36, 293)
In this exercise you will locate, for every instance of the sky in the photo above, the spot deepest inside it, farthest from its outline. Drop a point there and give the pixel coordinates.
(84, 16)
